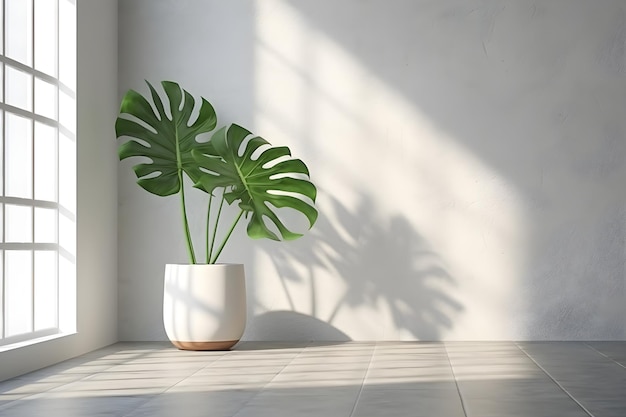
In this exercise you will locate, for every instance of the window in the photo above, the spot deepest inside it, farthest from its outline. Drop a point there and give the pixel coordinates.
(37, 168)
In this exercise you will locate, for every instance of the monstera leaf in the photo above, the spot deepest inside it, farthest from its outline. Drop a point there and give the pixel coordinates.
(167, 140)
(272, 177)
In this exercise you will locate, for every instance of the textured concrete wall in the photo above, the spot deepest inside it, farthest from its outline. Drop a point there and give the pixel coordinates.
(469, 157)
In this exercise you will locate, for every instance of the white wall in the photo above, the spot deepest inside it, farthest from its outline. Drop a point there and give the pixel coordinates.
(469, 157)
(96, 216)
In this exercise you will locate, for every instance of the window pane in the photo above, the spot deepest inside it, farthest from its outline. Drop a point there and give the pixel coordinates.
(67, 233)
(45, 225)
(2, 309)
(1, 52)
(67, 293)
(19, 160)
(67, 172)
(67, 111)
(45, 162)
(19, 30)
(46, 36)
(18, 287)
(18, 222)
(19, 87)
(45, 99)
(45, 290)
(2, 135)
(67, 43)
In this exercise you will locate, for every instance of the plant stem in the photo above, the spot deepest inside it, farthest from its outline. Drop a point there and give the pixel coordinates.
(227, 236)
(217, 220)
(192, 255)
(208, 219)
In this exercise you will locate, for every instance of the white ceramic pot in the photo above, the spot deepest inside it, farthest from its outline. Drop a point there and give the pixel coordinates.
(204, 306)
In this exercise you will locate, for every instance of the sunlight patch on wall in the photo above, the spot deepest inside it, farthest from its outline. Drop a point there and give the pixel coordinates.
(417, 237)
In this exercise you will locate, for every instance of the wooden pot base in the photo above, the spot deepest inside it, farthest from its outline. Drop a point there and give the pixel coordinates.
(226, 345)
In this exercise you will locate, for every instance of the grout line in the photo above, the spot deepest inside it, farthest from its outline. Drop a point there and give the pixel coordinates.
(554, 380)
(369, 366)
(456, 382)
(606, 356)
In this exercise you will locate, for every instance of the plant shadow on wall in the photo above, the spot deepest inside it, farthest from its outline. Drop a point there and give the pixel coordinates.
(544, 139)
(384, 266)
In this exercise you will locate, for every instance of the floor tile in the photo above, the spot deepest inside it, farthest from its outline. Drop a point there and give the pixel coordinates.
(315, 402)
(73, 407)
(390, 402)
(500, 380)
(596, 381)
(354, 379)
(612, 350)
(194, 404)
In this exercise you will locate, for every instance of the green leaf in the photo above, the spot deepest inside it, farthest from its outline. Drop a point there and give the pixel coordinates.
(167, 141)
(272, 177)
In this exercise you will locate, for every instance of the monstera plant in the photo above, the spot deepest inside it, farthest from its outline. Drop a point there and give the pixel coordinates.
(233, 167)
(204, 303)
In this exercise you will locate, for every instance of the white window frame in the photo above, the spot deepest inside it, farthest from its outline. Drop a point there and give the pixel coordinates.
(63, 204)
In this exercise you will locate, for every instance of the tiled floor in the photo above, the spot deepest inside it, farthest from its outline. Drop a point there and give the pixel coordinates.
(385, 379)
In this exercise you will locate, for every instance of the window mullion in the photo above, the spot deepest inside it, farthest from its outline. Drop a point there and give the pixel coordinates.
(32, 165)
(57, 181)
(3, 150)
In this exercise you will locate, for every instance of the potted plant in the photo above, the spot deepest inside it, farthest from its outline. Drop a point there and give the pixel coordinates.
(204, 303)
